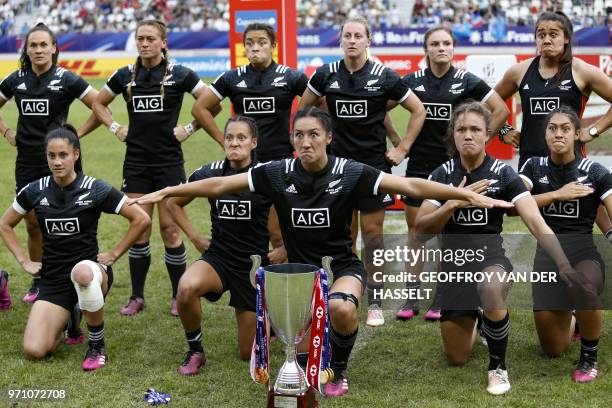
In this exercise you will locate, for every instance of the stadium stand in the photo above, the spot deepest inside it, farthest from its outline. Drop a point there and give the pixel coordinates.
(195, 15)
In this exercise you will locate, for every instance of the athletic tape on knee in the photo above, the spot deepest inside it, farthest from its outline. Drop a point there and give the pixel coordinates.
(90, 297)
(344, 296)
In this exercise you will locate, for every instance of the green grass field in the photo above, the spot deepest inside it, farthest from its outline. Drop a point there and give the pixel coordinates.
(398, 365)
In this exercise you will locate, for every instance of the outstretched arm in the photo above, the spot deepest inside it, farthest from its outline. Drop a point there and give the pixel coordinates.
(211, 187)
(422, 189)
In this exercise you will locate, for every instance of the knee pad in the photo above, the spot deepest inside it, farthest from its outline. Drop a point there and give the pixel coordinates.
(90, 297)
(344, 296)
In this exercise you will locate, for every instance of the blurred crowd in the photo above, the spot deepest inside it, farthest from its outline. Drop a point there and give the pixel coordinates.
(194, 15)
(476, 13)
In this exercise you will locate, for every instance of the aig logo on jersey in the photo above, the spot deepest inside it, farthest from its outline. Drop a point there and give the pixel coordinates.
(438, 111)
(148, 103)
(563, 209)
(35, 107)
(310, 217)
(471, 216)
(541, 106)
(258, 105)
(351, 109)
(234, 209)
(62, 226)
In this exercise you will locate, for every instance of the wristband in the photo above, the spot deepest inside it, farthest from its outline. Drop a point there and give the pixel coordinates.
(189, 129)
(114, 127)
(6, 130)
(609, 235)
(504, 131)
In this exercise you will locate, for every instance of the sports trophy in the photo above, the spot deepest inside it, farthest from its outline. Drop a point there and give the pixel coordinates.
(291, 297)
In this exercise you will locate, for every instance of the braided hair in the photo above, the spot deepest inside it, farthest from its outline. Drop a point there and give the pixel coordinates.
(163, 33)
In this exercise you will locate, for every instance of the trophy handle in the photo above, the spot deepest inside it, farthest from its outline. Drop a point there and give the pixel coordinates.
(256, 259)
(325, 263)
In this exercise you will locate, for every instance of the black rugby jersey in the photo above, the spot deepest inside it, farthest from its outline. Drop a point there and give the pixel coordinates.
(540, 96)
(572, 216)
(357, 103)
(68, 218)
(239, 221)
(150, 140)
(439, 96)
(43, 102)
(315, 209)
(265, 96)
(505, 185)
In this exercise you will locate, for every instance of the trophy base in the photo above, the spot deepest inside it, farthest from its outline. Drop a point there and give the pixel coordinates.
(307, 400)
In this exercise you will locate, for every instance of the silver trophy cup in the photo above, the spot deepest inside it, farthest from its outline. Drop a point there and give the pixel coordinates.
(288, 302)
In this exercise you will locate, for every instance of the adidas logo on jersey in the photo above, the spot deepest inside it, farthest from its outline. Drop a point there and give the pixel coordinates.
(241, 84)
(387, 199)
(291, 189)
(526, 86)
(22, 86)
(334, 85)
(420, 88)
(544, 180)
(44, 202)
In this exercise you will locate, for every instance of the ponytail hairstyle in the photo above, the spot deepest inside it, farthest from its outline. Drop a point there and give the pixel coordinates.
(24, 60)
(163, 33)
(67, 132)
(565, 63)
(478, 108)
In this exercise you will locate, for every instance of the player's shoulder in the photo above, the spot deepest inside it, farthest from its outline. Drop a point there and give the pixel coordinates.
(329, 68)
(498, 167)
(36, 186)
(589, 166)
(179, 70)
